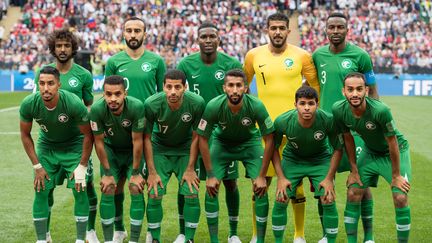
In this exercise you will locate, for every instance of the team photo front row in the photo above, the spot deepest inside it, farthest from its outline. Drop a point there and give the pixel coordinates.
(177, 132)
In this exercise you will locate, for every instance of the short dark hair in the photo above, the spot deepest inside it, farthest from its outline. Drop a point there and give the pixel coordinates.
(62, 34)
(207, 24)
(355, 75)
(337, 15)
(278, 17)
(50, 70)
(114, 80)
(175, 74)
(236, 73)
(135, 18)
(306, 92)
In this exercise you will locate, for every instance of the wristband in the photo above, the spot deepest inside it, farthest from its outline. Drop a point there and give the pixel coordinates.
(135, 172)
(210, 174)
(107, 172)
(37, 166)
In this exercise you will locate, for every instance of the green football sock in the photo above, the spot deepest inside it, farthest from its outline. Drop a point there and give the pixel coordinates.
(81, 210)
(50, 204)
(367, 219)
(192, 214)
(279, 220)
(154, 217)
(180, 206)
(232, 199)
(40, 213)
(136, 216)
(330, 221)
(403, 223)
(212, 214)
(261, 209)
(92, 198)
(118, 221)
(107, 214)
(320, 213)
(351, 217)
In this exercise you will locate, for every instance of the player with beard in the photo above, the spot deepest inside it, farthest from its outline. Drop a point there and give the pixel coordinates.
(63, 45)
(144, 73)
(117, 122)
(279, 69)
(231, 117)
(65, 141)
(205, 72)
(333, 62)
(386, 153)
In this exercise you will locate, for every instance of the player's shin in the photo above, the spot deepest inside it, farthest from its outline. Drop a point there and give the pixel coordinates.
(180, 206)
(50, 204)
(320, 213)
(81, 210)
(154, 216)
(367, 218)
(40, 213)
(212, 214)
(191, 216)
(261, 209)
(232, 198)
(299, 211)
(403, 223)
(351, 217)
(107, 214)
(279, 220)
(92, 197)
(118, 221)
(136, 216)
(330, 221)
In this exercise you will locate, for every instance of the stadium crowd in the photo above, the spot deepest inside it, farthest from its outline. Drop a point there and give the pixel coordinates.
(392, 32)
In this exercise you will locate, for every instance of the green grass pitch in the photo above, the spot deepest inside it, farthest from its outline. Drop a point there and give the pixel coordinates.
(412, 115)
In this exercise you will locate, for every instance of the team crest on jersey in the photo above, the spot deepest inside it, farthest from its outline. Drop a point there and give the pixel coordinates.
(219, 75)
(246, 121)
(63, 118)
(186, 117)
(370, 125)
(346, 63)
(73, 82)
(126, 123)
(319, 135)
(146, 67)
(289, 62)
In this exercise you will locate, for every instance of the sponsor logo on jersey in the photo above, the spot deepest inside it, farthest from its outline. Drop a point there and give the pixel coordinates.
(370, 125)
(186, 117)
(219, 74)
(202, 125)
(246, 121)
(261, 65)
(126, 123)
(289, 62)
(93, 126)
(346, 63)
(196, 76)
(319, 135)
(63, 118)
(323, 65)
(146, 67)
(73, 82)
(122, 70)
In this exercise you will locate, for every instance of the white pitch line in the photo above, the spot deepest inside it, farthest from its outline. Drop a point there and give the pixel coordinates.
(15, 133)
(9, 109)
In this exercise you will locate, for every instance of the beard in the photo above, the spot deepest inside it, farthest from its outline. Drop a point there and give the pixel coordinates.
(357, 105)
(278, 45)
(233, 101)
(134, 46)
(63, 60)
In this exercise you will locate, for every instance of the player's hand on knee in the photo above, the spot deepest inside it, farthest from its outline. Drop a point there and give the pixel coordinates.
(39, 180)
(401, 183)
(212, 185)
(353, 178)
(80, 174)
(138, 182)
(260, 186)
(282, 184)
(329, 192)
(107, 184)
(191, 178)
(153, 181)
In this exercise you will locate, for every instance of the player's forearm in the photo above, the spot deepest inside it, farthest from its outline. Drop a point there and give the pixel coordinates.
(334, 163)
(193, 153)
(137, 143)
(350, 150)
(277, 163)
(86, 149)
(148, 154)
(268, 153)
(205, 154)
(373, 92)
(28, 144)
(394, 155)
(100, 152)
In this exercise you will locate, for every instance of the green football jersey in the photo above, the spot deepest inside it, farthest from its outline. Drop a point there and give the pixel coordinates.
(240, 128)
(207, 80)
(78, 81)
(373, 126)
(172, 130)
(59, 126)
(332, 69)
(144, 76)
(307, 144)
(118, 129)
